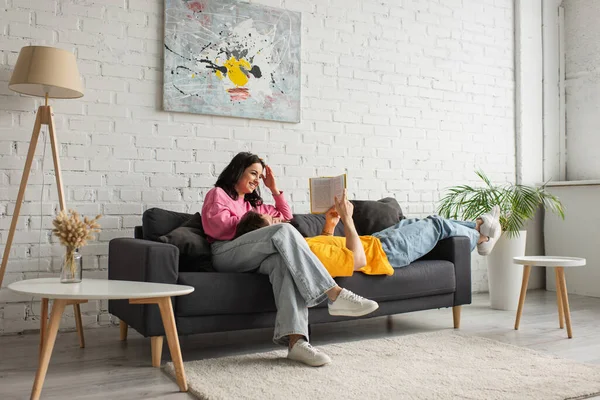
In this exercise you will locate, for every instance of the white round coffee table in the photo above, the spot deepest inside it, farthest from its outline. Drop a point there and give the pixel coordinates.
(562, 298)
(89, 289)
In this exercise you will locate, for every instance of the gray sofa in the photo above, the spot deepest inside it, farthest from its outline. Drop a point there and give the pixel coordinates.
(234, 301)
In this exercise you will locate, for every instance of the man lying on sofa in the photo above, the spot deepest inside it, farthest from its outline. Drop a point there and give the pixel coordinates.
(397, 246)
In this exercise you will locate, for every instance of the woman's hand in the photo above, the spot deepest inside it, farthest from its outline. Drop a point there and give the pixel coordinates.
(344, 208)
(269, 181)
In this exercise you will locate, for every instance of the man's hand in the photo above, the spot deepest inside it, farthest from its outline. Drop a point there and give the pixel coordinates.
(332, 217)
(344, 208)
(331, 220)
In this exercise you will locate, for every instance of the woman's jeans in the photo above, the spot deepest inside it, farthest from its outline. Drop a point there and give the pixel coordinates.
(298, 278)
(411, 239)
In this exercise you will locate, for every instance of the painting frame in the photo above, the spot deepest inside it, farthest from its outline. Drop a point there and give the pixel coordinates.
(232, 59)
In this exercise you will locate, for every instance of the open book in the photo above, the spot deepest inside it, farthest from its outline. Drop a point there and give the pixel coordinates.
(323, 190)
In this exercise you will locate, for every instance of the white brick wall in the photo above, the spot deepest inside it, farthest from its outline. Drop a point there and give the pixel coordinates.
(408, 97)
(582, 89)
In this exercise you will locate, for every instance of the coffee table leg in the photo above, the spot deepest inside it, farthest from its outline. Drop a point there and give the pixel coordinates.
(565, 300)
(58, 306)
(561, 316)
(526, 272)
(79, 324)
(166, 312)
(43, 323)
(77, 316)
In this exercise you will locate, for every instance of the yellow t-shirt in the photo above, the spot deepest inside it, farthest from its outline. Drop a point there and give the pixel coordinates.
(339, 261)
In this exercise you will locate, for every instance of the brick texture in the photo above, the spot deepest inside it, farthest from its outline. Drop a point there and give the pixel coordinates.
(408, 97)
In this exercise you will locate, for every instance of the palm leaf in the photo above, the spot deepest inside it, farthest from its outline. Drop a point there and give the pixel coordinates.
(518, 203)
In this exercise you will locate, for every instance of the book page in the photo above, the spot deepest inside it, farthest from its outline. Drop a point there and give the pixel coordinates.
(338, 184)
(323, 190)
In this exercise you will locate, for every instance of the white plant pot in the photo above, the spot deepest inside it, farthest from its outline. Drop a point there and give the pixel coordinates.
(505, 277)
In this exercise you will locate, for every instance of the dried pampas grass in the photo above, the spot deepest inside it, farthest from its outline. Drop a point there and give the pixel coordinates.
(74, 232)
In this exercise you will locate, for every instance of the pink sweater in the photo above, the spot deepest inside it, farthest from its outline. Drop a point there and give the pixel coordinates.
(221, 214)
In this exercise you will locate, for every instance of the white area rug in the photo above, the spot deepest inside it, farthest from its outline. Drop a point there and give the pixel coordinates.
(439, 365)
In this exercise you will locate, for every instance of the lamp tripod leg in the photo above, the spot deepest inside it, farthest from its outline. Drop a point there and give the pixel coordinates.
(56, 159)
(13, 225)
(49, 120)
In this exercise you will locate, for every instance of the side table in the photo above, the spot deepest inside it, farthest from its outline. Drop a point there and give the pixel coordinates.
(562, 298)
(89, 289)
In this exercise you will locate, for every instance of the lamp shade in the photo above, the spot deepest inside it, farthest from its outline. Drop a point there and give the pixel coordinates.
(42, 70)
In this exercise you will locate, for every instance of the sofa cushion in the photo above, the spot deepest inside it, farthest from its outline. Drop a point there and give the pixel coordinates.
(310, 225)
(369, 217)
(374, 216)
(194, 249)
(240, 293)
(157, 222)
(224, 293)
(418, 279)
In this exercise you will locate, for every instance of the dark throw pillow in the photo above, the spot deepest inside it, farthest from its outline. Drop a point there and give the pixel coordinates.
(373, 216)
(157, 222)
(195, 222)
(194, 249)
(310, 225)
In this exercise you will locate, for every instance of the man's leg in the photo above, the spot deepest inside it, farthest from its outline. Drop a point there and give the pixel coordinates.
(403, 222)
(404, 244)
(468, 224)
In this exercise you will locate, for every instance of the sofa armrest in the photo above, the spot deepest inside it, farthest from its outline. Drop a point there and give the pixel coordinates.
(143, 261)
(457, 250)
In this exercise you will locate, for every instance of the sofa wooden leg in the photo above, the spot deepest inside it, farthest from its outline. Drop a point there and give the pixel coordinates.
(123, 329)
(156, 342)
(456, 316)
(389, 323)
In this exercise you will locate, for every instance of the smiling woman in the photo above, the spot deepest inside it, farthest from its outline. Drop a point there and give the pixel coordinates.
(240, 179)
(277, 250)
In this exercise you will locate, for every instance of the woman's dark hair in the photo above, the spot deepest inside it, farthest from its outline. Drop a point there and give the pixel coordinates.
(251, 221)
(234, 171)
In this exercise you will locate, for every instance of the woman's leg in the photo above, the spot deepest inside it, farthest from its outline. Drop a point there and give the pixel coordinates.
(247, 253)
(292, 313)
(302, 276)
(404, 244)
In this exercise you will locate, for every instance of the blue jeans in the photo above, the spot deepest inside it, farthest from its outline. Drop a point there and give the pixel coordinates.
(411, 239)
(298, 278)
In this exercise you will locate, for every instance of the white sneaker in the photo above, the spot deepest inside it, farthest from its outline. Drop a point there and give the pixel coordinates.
(491, 223)
(303, 352)
(351, 305)
(490, 228)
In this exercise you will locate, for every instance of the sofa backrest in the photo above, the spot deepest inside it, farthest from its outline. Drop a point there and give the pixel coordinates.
(370, 216)
(157, 222)
(373, 216)
(186, 232)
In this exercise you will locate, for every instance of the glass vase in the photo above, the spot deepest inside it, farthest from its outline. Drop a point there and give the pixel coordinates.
(72, 267)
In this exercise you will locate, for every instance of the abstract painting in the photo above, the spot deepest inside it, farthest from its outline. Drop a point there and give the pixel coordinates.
(233, 59)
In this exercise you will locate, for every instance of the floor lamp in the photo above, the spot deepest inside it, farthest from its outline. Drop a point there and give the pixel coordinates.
(50, 73)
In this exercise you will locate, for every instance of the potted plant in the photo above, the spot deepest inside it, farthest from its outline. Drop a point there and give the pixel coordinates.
(518, 204)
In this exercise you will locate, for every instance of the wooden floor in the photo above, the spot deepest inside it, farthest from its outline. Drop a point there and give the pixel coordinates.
(110, 369)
